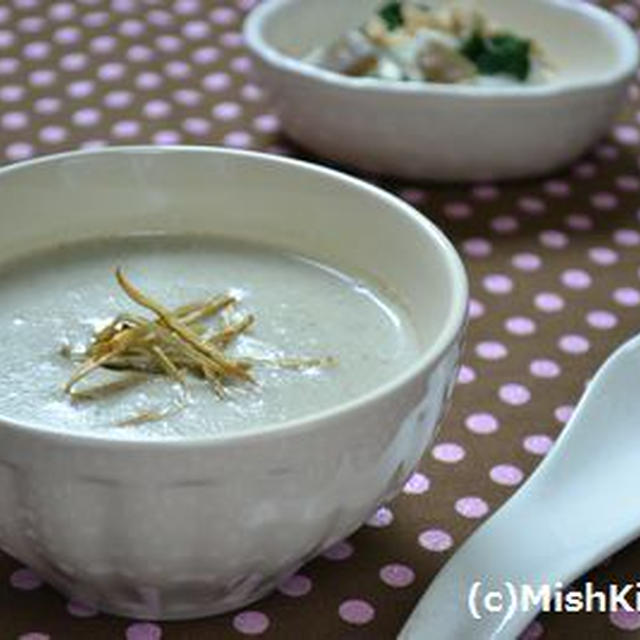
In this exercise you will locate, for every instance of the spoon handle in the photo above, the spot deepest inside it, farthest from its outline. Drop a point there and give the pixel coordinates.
(578, 507)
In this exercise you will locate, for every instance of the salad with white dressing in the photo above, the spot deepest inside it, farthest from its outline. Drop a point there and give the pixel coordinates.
(405, 41)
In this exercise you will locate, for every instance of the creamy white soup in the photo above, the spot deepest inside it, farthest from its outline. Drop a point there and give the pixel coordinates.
(53, 303)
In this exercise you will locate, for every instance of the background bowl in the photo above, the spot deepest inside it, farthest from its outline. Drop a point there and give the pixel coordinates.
(447, 132)
(178, 528)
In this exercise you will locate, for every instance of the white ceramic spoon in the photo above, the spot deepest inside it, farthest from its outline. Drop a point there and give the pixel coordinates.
(578, 507)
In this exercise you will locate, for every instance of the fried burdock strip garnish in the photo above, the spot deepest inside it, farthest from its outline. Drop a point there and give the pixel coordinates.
(173, 343)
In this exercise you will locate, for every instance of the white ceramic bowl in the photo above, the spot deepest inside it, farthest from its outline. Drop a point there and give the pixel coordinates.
(447, 132)
(184, 528)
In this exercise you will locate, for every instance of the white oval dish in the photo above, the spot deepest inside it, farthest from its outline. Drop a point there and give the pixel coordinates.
(447, 132)
(180, 528)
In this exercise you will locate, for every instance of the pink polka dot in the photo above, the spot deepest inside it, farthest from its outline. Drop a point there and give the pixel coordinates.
(223, 15)
(585, 170)
(471, 507)
(196, 126)
(139, 53)
(626, 620)
(477, 247)
(47, 105)
(397, 575)
(574, 344)
(177, 69)
(520, 326)
(457, 210)
(238, 139)
(34, 635)
(383, 517)
(538, 444)
(498, 283)
(267, 123)
(159, 18)
(11, 93)
(95, 20)
(417, 484)
(485, 192)
(578, 222)
(543, 368)
(251, 623)
(599, 319)
(563, 413)
(67, 35)
(124, 6)
(548, 302)
(131, 28)
(576, 279)
(186, 7)
(217, 81)
(553, 239)
(628, 183)
(514, 394)
(25, 580)
(627, 237)
(504, 224)
(31, 24)
(205, 55)
(148, 80)
(476, 308)
(36, 50)
(296, 586)
(118, 99)
(74, 61)
(356, 611)
(526, 261)
(531, 205)
(557, 188)
(42, 77)
(435, 540)
(156, 109)
(466, 375)
(232, 39)
(482, 423)
(62, 11)
(604, 201)
(491, 350)
(196, 30)
(81, 609)
(87, 117)
(603, 256)
(126, 129)
(448, 452)
(339, 551)
(506, 474)
(166, 136)
(226, 111)
(168, 43)
(80, 88)
(187, 97)
(627, 134)
(606, 152)
(143, 631)
(6, 39)
(19, 151)
(252, 93)
(53, 134)
(9, 65)
(14, 120)
(627, 296)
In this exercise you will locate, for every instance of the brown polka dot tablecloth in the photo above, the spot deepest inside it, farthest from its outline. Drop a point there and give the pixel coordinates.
(555, 286)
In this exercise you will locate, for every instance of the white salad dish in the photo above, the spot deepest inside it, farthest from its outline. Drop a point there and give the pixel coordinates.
(176, 526)
(449, 132)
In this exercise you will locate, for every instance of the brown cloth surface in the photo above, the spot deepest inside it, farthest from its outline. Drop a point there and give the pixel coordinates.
(555, 285)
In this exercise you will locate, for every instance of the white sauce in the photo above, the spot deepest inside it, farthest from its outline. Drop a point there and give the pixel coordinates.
(302, 308)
